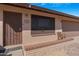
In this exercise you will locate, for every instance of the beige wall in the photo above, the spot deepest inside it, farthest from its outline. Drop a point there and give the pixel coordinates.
(26, 24)
(1, 27)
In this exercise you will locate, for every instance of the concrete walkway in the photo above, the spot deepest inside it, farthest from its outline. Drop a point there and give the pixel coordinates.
(69, 48)
(15, 50)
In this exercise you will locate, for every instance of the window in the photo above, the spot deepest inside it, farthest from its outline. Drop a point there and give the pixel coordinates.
(42, 23)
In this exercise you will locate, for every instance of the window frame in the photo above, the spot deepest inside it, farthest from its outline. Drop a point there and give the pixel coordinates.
(51, 20)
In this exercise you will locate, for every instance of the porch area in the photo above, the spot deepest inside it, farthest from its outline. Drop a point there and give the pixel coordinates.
(68, 48)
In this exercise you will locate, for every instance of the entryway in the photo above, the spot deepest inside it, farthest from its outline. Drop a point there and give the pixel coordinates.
(12, 28)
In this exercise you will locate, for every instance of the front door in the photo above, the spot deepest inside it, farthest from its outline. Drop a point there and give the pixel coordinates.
(12, 28)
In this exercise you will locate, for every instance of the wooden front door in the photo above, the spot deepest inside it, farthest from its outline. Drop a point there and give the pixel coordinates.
(12, 28)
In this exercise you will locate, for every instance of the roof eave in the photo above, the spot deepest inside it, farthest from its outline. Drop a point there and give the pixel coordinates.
(29, 6)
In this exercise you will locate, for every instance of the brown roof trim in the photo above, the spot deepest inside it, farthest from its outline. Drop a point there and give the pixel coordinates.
(32, 7)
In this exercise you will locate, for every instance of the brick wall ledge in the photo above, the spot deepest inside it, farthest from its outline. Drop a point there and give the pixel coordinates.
(44, 44)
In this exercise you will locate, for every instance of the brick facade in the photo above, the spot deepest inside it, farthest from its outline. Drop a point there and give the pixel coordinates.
(27, 38)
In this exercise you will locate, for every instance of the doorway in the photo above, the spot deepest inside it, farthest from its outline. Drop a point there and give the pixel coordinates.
(12, 28)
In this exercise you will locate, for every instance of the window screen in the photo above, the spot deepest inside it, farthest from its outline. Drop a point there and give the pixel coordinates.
(42, 23)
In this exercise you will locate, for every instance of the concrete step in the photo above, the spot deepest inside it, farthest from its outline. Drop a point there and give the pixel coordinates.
(44, 44)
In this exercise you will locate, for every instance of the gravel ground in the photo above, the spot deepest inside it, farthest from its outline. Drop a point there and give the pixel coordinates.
(69, 48)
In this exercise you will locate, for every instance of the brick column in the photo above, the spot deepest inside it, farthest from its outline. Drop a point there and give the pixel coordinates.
(58, 25)
(26, 27)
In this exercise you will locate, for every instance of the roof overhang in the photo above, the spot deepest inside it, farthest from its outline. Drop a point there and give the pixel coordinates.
(32, 7)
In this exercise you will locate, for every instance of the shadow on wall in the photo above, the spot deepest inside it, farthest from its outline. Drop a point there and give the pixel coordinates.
(13, 20)
(42, 33)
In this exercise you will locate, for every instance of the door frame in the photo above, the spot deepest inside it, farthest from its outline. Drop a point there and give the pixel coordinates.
(4, 27)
